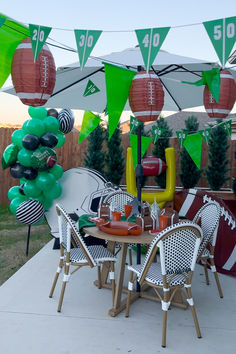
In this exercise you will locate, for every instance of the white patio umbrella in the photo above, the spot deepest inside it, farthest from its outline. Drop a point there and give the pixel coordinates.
(71, 81)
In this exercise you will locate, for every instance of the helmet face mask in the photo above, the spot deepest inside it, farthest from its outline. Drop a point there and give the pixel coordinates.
(82, 191)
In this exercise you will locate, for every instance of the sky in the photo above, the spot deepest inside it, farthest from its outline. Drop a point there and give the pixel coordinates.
(117, 20)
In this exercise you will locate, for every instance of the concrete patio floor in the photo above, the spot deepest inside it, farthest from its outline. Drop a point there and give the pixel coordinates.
(30, 324)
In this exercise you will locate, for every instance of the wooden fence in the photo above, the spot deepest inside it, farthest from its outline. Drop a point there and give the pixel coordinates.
(71, 155)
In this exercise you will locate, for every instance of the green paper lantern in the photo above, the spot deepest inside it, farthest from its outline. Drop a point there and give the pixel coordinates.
(45, 181)
(31, 189)
(51, 124)
(61, 139)
(14, 193)
(57, 171)
(37, 112)
(34, 126)
(54, 192)
(24, 157)
(16, 202)
(17, 137)
(9, 156)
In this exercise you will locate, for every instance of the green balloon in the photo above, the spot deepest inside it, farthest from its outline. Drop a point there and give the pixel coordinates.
(16, 202)
(14, 193)
(37, 112)
(47, 204)
(61, 139)
(57, 171)
(54, 192)
(24, 157)
(17, 137)
(23, 180)
(45, 180)
(51, 124)
(34, 126)
(9, 156)
(40, 198)
(31, 189)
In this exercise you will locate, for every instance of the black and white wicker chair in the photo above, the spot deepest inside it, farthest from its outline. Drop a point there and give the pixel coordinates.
(208, 217)
(178, 245)
(119, 199)
(79, 256)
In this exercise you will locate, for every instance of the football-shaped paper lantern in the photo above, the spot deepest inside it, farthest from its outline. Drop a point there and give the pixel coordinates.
(66, 119)
(43, 159)
(33, 82)
(226, 100)
(30, 212)
(153, 166)
(146, 96)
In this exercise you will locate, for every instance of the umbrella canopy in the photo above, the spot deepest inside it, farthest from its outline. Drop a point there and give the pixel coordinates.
(72, 83)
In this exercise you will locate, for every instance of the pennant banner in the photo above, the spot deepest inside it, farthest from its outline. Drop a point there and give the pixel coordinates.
(38, 35)
(116, 94)
(226, 126)
(91, 88)
(2, 20)
(156, 133)
(206, 133)
(134, 124)
(85, 41)
(181, 137)
(150, 41)
(193, 145)
(90, 122)
(211, 78)
(145, 142)
(222, 34)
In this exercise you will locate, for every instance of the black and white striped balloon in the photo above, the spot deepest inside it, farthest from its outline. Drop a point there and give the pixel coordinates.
(66, 120)
(30, 212)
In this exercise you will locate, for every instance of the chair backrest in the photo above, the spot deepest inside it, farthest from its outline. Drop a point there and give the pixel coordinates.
(178, 245)
(208, 217)
(69, 232)
(119, 199)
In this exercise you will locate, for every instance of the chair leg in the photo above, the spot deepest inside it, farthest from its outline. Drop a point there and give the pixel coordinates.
(99, 277)
(59, 269)
(165, 306)
(191, 303)
(130, 256)
(130, 288)
(213, 269)
(65, 280)
(206, 274)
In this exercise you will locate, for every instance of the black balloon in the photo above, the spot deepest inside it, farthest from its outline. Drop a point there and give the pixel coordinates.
(52, 112)
(17, 170)
(30, 142)
(30, 173)
(21, 189)
(49, 139)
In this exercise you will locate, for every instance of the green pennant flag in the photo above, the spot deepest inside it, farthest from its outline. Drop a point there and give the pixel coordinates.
(11, 34)
(2, 20)
(226, 126)
(38, 35)
(90, 122)
(193, 145)
(222, 34)
(117, 93)
(85, 41)
(91, 88)
(156, 133)
(134, 124)
(150, 41)
(145, 142)
(211, 78)
(206, 133)
(181, 137)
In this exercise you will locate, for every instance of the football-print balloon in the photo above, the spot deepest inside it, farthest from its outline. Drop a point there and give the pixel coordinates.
(66, 119)
(43, 158)
(17, 170)
(49, 139)
(30, 212)
(30, 142)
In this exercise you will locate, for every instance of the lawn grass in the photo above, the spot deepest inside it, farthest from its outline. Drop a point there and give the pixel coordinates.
(13, 236)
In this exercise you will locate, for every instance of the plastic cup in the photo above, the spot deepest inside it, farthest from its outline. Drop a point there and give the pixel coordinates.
(116, 215)
(128, 209)
(163, 221)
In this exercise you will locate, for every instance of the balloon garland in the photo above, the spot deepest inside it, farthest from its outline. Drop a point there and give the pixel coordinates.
(32, 159)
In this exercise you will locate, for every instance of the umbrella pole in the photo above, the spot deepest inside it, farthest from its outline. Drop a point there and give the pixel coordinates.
(139, 177)
(27, 244)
